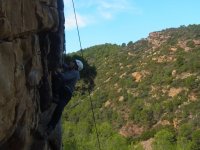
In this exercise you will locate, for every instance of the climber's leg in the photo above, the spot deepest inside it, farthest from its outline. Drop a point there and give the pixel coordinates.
(65, 98)
(56, 84)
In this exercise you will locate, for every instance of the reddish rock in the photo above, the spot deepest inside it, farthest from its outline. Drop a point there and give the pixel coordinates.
(174, 91)
(137, 76)
(130, 130)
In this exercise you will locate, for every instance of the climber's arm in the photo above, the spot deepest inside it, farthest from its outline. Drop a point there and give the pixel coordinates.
(66, 76)
(65, 66)
(69, 76)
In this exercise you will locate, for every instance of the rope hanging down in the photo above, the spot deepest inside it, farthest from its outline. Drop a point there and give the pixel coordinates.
(92, 108)
(79, 37)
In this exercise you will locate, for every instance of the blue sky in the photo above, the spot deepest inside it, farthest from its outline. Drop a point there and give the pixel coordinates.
(121, 21)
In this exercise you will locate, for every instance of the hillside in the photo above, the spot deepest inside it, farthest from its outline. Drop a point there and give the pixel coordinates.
(145, 95)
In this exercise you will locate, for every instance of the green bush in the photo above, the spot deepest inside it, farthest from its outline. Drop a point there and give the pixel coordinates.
(164, 140)
(190, 44)
(195, 140)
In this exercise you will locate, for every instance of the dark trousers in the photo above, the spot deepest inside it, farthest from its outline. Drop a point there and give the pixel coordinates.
(64, 97)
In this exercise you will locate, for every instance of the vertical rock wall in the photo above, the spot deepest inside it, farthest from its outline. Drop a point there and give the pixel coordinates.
(31, 44)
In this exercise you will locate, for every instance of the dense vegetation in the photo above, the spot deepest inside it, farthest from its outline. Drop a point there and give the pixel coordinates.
(162, 107)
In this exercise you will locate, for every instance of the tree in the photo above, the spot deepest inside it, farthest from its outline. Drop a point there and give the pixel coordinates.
(130, 43)
(196, 140)
(164, 140)
(183, 143)
(123, 44)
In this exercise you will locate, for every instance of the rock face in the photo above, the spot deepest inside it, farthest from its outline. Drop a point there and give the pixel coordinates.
(31, 44)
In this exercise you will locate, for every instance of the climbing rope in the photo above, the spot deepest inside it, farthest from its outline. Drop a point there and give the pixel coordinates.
(77, 27)
(89, 93)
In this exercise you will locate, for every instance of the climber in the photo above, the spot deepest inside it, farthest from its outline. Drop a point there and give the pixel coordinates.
(62, 88)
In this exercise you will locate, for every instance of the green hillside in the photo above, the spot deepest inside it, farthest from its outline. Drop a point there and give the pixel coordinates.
(145, 95)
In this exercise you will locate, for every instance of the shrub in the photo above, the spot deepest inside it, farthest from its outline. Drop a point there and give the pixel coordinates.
(190, 44)
(164, 140)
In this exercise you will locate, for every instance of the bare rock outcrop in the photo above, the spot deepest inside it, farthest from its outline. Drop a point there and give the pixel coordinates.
(31, 44)
(157, 39)
(130, 130)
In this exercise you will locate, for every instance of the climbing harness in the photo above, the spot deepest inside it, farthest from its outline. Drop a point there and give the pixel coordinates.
(92, 107)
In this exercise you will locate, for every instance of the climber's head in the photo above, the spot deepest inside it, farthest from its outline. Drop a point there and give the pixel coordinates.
(76, 64)
(79, 65)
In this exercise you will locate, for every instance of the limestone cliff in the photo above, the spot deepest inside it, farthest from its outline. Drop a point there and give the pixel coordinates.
(31, 44)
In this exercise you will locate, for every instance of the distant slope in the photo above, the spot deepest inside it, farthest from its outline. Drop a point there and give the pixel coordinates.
(146, 94)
